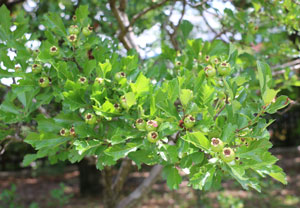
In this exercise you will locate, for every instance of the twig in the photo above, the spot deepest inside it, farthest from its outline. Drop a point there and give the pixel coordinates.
(292, 104)
(200, 4)
(294, 65)
(145, 11)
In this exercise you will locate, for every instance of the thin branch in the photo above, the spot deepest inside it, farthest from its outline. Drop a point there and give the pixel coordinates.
(294, 65)
(200, 4)
(145, 11)
(291, 105)
(135, 196)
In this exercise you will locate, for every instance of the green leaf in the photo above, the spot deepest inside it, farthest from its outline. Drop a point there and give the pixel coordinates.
(197, 139)
(170, 173)
(105, 67)
(120, 150)
(264, 76)
(55, 23)
(185, 96)
(130, 99)
(29, 158)
(82, 13)
(5, 23)
(280, 103)
(269, 95)
(228, 133)
(141, 86)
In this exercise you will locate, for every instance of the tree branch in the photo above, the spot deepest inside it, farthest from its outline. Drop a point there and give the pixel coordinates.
(294, 65)
(126, 36)
(200, 4)
(121, 176)
(142, 189)
(145, 11)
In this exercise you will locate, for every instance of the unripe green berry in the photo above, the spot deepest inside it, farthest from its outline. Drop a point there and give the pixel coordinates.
(151, 125)
(227, 155)
(90, 119)
(152, 136)
(216, 145)
(73, 29)
(72, 38)
(36, 68)
(120, 76)
(72, 131)
(123, 102)
(87, 31)
(210, 71)
(82, 80)
(54, 51)
(117, 108)
(224, 69)
(44, 82)
(189, 121)
(64, 132)
(99, 80)
(140, 124)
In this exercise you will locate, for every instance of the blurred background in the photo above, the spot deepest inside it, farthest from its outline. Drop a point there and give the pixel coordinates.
(265, 29)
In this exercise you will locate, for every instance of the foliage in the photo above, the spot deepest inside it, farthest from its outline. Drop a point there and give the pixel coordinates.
(100, 95)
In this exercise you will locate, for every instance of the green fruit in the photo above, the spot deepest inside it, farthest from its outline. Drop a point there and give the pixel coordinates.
(151, 125)
(117, 108)
(224, 69)
(189, 121)
(207, 58)
(140, 124)
(124, 102)
(72, 131)
(87, 31)
(99, 80)
(64, 132)
(73, 29)
(210, 71)
(152, 136)
(82, 80)
(36, 68)
(120, 76)
(72, 38)
(44, 82)
(90, 119)
(227, 155)
(216, 145)
(54, 51)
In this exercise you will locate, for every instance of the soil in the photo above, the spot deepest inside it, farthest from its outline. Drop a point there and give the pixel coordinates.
(38, 189)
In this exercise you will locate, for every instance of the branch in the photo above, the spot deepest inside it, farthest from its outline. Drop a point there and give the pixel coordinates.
(145, 11)
(173, 35)
(126, 36)
(198, 4)
(142, 189)
(294, 65)
(121, 176)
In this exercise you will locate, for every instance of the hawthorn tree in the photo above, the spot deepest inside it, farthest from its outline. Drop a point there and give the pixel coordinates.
(196, 109)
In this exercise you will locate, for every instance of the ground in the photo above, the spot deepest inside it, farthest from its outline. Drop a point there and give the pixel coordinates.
(274, 195)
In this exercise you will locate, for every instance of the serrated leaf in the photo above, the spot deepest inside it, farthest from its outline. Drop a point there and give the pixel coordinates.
(185, 96)
(197, 139)
(130, 99)
(170, 173)
(141, 86)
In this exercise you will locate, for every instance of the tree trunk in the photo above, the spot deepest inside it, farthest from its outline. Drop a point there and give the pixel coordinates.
(89, 178)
